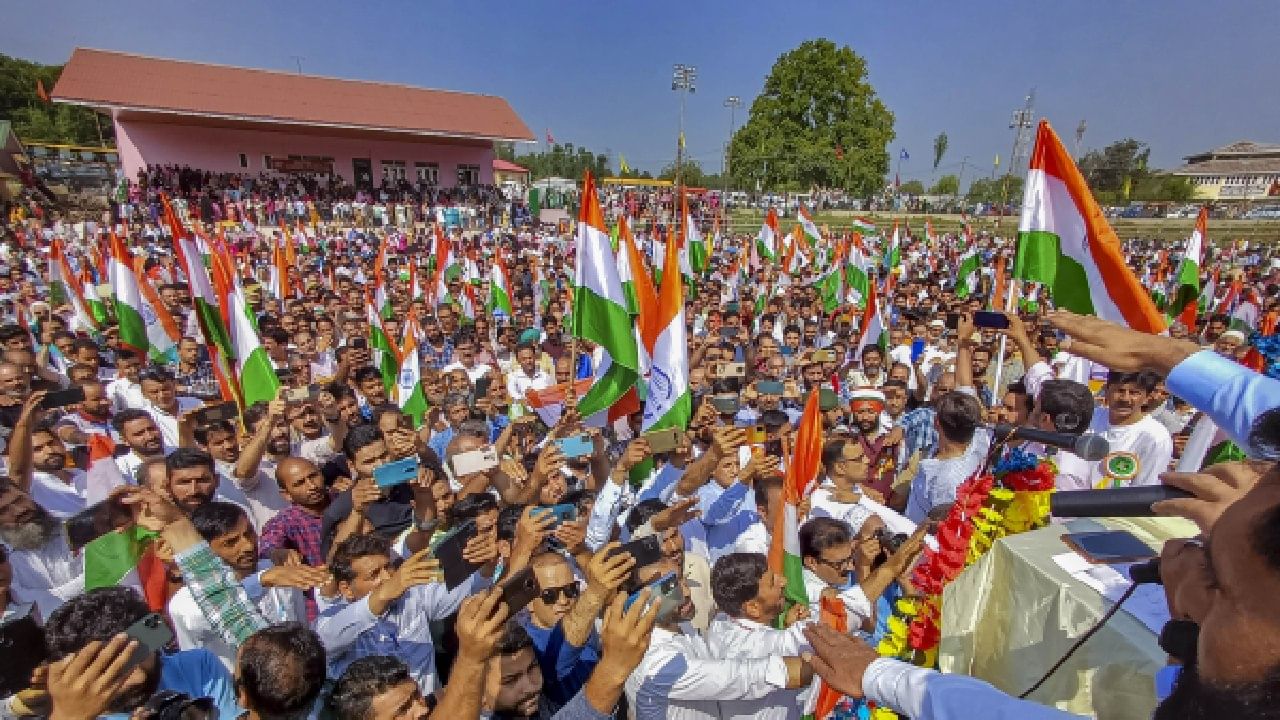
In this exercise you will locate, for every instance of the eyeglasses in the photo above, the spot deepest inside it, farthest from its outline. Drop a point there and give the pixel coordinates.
(550, 595)
(843, 562)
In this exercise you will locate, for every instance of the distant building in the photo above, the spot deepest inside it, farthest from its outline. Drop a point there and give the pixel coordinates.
(504, 171)
(241, 120)
(1240, 171)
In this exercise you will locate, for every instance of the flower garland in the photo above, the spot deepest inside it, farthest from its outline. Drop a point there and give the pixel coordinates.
(1013, 498)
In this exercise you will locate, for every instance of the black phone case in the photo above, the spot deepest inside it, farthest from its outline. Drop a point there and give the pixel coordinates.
(449, 552)
(646, 550)
(22, 649)
(519, 590)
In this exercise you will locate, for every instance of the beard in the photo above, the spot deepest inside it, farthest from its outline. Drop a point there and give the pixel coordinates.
(132, 698)
(1194, 698)
(33, 534)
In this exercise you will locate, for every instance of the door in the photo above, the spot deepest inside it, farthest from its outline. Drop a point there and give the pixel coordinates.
(362, 171)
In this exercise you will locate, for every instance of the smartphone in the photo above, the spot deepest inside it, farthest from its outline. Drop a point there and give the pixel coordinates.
(822, 356)
(564, 512)
(1109, 546)
(519, 590)
(733, 369)
(211, 414)
(153, 635)
(725, 404)
(646, 550)
(664, 440)
(482, 386)
(953, 321)
(360, 343)
(88, 525)
(62, 398)
(917, 350)
(991, 319)
(663, 588)
(396, 473)
(299, 394)
(729, 332)
(449, 552)
(576, 446)
(757, 435)
(475, 461)
(770, 387)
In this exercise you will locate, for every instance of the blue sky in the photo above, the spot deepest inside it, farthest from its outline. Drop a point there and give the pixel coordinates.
(1183, 75)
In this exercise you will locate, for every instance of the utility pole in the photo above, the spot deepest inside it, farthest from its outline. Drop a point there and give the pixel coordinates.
(1080, 137)
(297, 59)
(684, 81)
(733, 102)
(960, 180)
(1022, 123)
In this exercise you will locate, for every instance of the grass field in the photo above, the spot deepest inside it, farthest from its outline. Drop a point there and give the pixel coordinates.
(748, 221)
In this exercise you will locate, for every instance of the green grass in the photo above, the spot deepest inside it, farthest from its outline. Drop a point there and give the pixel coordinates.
(748, 221)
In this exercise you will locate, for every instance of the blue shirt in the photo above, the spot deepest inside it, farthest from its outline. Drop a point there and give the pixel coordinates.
(198, 673)
(726, 514)
(1232, 395)
(565, 668)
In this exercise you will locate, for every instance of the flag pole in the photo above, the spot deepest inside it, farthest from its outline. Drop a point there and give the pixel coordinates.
(997, 398)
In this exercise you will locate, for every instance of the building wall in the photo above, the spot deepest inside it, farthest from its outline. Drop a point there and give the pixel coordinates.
(219, 149)
(1259, 186)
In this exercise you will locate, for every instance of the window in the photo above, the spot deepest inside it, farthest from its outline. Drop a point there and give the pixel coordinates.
(393, 170)
(244, 160)
(428, 173)
(266, 162)
(468, 174)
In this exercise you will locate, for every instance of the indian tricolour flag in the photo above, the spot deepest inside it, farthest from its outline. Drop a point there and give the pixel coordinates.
(864, 226)
(1186, 299)
(856, 277)
(124, 557)
(409, 395)
(631, 268)
(499, 286)
(162, 329)
(444, 261)
(693, 248)
(893, 251)
(784, 548)
(873, 329)
(128, 298)
(385, 356)
(813, 237)
(600, 308)
(1065, 242)
(60, 274)
(967, 273)
(258, 381)
(667, 403)
(765, 248)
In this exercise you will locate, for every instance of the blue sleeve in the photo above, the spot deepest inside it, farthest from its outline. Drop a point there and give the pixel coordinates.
(1233, 396)
(718, 510)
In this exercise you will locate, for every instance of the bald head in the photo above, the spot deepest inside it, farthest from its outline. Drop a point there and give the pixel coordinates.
(303, 483)
(14, 381)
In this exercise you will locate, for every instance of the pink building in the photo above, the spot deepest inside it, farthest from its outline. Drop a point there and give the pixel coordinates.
(228, 119)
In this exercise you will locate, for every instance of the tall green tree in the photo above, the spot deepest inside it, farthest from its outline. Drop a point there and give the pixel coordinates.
(34, 120)
(567, 161)
(939, 149)
(817, 122)
(1108, 169)
(912, 187)
(946, 185)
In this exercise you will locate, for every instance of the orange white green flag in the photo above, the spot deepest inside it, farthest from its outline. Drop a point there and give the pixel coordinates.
(1065, 243)
(600, 308)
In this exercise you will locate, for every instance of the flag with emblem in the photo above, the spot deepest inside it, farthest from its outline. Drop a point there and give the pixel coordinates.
(1186, 299)
(409, 395)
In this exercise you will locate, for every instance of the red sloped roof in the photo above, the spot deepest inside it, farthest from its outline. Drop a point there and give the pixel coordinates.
(500, 165)
(103, 78)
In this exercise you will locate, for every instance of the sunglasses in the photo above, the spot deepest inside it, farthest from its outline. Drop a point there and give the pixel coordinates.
(550, 595)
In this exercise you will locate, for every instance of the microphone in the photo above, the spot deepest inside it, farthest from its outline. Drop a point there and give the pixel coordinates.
(1087, 447)
(1146, 572)
(1118, 502)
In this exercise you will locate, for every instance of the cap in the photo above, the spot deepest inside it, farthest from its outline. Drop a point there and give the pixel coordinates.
(937, 324)
(532, 335)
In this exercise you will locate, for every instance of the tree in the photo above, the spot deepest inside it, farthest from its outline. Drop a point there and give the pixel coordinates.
(912, 187)
(939, 149)
(816, 123)
(690, 175)
(1164, 187)
(33, 119)
(946, 185)
(1108, 169)
(1007, 188)
(565, 161)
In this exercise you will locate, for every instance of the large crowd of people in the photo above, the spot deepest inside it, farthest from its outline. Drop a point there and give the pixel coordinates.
(322, 553)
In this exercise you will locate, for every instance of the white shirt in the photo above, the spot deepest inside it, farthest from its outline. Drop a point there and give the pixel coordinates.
(518, 382)
(61, 499)
(260, 496)
(824, 505)
(168, 424)
(193, 630)
(475, 372)
(857, 606)
(930, 695)
(740, 638)
(679, 679)
(129, 464)
(47, 576)
(1147, 439)
(936, 479)
(124, 394)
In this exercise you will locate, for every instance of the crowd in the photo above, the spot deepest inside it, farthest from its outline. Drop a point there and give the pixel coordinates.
(321, 552)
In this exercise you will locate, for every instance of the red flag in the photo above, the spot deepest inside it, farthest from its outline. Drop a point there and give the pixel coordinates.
(41, 92)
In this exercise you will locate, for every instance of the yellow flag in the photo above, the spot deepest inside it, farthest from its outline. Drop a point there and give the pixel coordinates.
(997, 159)
(682, 140)
(622, 164)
